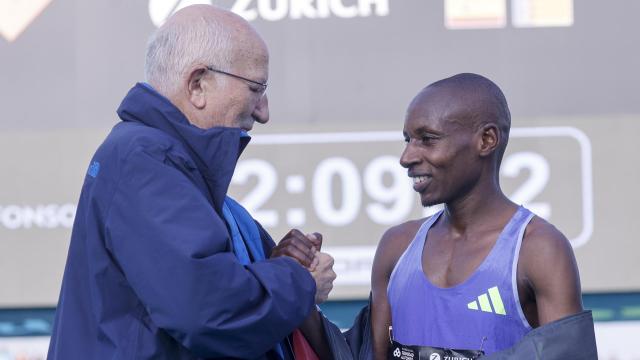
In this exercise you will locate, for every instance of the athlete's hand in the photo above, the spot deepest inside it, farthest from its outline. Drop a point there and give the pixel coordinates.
(324, 276)
(298, 246)
(316, 240)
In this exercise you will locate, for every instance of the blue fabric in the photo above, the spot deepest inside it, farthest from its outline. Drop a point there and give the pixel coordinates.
(481, 313)
(244, 233)
(150, 272)
(239, 247)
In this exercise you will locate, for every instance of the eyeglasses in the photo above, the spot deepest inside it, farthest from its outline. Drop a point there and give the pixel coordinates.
(262, 86)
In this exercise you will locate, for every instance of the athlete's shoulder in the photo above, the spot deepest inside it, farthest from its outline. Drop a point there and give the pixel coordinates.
(400, 235)
(542, 239)
(546, 251)
(393, 244)
(548, 264)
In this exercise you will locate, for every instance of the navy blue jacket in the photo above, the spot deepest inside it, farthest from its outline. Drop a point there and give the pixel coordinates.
(150, 273)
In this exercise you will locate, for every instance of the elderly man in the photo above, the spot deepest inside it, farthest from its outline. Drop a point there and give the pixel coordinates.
(162, 264)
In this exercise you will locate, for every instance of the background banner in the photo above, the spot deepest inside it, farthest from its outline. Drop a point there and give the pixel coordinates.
(342, 74)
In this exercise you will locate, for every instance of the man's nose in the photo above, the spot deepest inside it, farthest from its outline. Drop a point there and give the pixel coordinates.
(261, 111)
(409, 155)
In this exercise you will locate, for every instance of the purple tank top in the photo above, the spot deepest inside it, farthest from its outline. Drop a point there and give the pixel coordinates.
(483, 311)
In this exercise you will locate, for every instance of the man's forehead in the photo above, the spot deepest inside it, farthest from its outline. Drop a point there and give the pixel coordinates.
(255, 50)
(247, 44)
(462, 101)
(437, 105)
(450, 96)
(253, 62)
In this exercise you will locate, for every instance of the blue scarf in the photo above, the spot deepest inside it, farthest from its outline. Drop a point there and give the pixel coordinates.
(245, 237)
(244, 232)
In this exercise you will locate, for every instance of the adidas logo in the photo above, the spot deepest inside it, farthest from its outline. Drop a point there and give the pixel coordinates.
(486, 304)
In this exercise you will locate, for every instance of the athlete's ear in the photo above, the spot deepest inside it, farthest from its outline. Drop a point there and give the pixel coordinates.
(489, 139)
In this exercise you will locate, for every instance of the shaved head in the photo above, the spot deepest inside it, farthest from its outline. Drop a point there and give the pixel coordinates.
(456, 131)
(469, 100)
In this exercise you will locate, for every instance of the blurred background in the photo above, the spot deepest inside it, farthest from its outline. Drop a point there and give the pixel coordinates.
(342, 73)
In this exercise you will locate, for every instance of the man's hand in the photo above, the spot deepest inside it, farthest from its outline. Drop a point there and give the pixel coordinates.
(324, 275)
(298, 246)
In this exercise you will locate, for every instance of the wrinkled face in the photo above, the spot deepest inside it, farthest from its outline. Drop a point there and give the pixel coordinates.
(235, 102)
(441, 148)
(232, 99)
(239, 103)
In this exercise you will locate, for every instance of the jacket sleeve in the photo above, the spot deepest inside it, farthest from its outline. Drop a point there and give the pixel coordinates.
(572, 337)
(358, 337)
(172, 248)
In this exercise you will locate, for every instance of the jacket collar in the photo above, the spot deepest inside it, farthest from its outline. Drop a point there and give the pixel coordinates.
(215, 151)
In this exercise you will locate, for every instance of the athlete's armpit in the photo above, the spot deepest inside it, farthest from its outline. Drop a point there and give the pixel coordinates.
(548, 263)
(391, 246)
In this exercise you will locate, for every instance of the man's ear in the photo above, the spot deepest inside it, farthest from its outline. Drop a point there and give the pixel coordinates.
(197, 88)
(489, 139)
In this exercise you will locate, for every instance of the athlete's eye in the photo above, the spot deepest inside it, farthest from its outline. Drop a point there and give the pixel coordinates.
(429, 139)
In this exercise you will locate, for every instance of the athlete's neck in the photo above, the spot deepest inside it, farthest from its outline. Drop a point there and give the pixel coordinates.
(478, 210)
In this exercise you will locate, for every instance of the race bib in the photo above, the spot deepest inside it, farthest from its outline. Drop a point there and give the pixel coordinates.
(398, 351)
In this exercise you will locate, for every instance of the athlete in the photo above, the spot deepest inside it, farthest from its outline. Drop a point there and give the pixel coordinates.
(480, 274)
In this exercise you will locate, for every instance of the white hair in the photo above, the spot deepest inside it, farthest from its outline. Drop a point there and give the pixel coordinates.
(173, 48)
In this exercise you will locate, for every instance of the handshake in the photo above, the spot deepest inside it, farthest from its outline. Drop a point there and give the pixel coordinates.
(305, 249)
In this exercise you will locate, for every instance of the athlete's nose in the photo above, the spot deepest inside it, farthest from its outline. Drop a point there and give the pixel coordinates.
(409, 156)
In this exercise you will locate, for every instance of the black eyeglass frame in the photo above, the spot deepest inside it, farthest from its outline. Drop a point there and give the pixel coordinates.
(263, 86)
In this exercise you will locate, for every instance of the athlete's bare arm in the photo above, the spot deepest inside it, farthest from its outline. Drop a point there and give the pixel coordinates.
(548, 279)
(392, 244)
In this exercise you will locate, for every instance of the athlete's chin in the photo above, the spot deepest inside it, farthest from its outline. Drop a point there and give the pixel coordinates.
(428, 201)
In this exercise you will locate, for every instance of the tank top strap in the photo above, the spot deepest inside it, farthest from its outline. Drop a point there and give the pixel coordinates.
(505, 255)
(524, 220)
(508, 243)
(412, 256)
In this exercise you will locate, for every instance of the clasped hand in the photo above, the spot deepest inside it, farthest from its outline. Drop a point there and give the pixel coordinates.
(306, 250)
